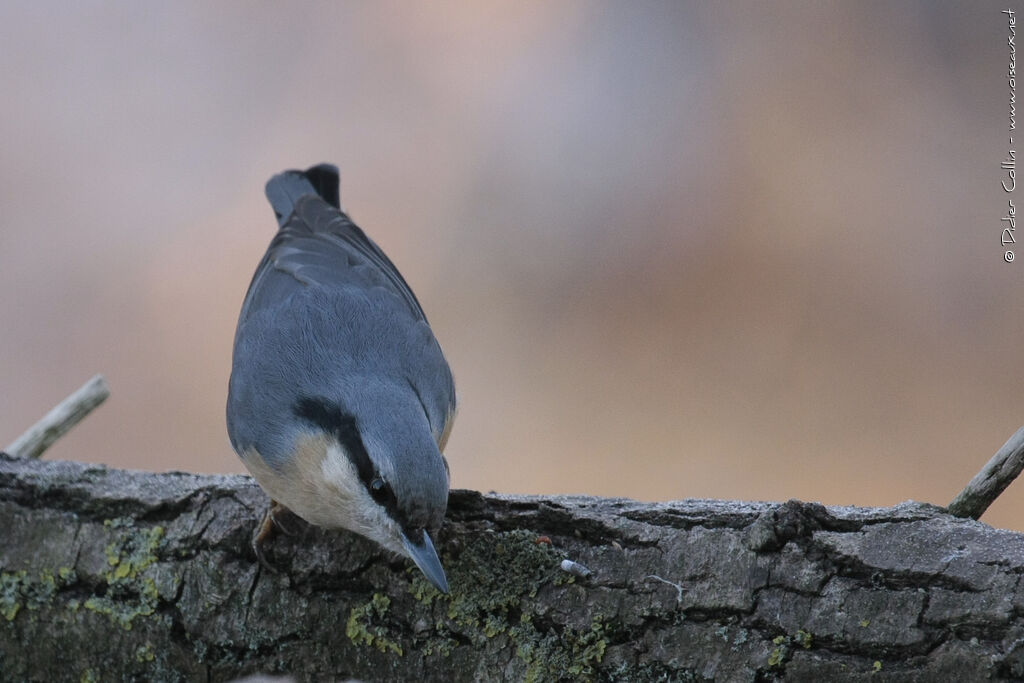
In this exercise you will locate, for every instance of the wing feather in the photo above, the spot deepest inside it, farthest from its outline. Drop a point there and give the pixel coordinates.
(318, 246)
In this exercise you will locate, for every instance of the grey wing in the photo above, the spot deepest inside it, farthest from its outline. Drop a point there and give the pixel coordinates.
(431, 379)
(320, 246)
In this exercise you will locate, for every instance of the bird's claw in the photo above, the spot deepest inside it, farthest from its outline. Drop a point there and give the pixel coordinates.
(270, 525)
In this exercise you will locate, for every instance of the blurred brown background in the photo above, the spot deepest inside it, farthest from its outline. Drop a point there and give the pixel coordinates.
(671, 249)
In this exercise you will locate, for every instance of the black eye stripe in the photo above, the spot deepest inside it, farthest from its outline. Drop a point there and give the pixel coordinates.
(329, 417)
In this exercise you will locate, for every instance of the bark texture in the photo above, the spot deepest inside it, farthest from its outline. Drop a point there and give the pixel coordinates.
(110, 575)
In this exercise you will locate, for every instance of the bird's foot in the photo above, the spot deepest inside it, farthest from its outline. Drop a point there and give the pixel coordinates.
(270, 525)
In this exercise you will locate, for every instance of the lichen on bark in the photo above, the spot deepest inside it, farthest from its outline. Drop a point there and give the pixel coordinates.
(114, 575)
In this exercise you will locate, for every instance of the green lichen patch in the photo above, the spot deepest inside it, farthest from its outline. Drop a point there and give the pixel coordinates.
(130, 593)
(10, 594)
(493, 574)
(132, 550)
(144, 653)
(128, 606)
(494, 580)
(553, 656)
(784, 645)
(804, 639)
(367, 625)
(442, 645)
(779, 653)
(32, 591)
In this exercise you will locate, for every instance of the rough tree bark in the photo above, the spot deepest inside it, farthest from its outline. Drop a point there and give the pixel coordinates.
(114, 575)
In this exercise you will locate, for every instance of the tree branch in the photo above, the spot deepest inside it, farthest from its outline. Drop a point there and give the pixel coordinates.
(115, 575)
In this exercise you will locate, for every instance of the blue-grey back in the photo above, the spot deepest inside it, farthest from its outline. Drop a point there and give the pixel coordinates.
(325, 305)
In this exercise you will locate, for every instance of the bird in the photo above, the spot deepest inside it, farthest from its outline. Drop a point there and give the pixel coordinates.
(340, 400)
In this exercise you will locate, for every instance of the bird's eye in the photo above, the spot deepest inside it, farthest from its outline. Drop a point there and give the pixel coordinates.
(379, 489)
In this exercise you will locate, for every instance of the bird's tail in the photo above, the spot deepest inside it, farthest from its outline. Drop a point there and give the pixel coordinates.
(285, 189)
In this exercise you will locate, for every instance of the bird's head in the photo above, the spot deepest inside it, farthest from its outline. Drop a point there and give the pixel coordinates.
(386, 478)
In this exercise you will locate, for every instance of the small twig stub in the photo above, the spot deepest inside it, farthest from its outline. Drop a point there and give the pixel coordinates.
(60, 419)
(992, 480)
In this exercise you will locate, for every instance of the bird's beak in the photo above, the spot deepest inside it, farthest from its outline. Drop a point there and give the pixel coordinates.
(425, 557)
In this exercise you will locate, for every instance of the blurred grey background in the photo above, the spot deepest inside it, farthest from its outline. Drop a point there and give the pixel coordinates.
(671, 249)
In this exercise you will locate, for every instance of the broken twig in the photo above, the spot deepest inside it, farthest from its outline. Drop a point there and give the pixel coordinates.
(992, 480)
(60, 419)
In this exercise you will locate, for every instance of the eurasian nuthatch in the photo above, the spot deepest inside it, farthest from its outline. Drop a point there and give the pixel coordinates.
(340, 401)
